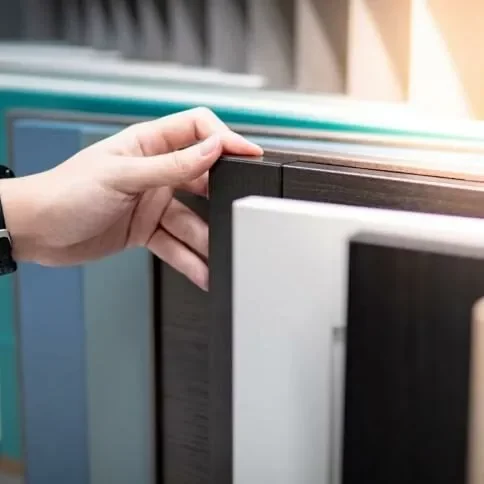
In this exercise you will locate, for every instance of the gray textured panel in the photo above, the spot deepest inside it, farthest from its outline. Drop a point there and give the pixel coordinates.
(11, 20)
(187, 31)
(119, 324)
(99, 29)
(271, 47)
(227, 34)
(74, 21)
(154, 29)
(42, 20)
(125, 27)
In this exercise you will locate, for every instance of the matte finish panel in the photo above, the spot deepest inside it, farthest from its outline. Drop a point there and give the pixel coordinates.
(290, 304)
(232, 178)
(118, 302)
(408, 361)
(119, 356)
(51, 334)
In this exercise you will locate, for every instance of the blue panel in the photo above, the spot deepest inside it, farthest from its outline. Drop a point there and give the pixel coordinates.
(51, 333)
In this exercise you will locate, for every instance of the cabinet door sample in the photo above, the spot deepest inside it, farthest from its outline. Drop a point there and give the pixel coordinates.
(51, 334)
(231, 178)
(85, 343)
(227, 35)
(290, 310)
(373, 188)
(187, 31)
(271, 41)
(409, 331)
(154, 29)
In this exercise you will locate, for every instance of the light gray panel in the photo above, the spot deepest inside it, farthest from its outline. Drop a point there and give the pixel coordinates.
(187, 31)
(120, 368)
(271, 44)
(289, 319)
(227, 34)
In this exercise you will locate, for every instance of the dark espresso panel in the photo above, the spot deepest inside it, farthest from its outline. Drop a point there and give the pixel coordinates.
(408, 360)
(231, 178)
(183, 396)
(379, 189)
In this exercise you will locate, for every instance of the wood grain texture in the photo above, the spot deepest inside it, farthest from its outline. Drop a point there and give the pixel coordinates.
(351, 186)
(183, 352)
(408, 362)
(231, 178)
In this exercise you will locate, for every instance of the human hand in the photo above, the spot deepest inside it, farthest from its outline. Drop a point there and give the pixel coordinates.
(118, 194)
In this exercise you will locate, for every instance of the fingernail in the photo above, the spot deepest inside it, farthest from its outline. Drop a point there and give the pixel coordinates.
(208, 146)
(253, 145)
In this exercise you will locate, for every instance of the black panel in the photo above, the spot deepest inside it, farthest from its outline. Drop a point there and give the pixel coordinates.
(184, 399)
(408, 360)
(231, 178)
(378, 189)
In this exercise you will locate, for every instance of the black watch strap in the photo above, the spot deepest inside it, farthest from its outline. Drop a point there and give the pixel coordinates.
(7, 263)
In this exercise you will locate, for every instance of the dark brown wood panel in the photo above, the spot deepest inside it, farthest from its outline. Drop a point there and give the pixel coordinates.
(183, 396)
(408, 361)
(232, 178)
(351, 186)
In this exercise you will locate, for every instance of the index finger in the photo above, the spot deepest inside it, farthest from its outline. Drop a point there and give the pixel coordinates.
(177, 131)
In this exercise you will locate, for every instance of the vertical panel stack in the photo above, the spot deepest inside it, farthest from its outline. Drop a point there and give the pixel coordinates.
(425, 52)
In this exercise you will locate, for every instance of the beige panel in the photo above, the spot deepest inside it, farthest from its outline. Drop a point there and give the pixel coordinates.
(321, 45)
(476, 422)
(447, 60)
(378, 49)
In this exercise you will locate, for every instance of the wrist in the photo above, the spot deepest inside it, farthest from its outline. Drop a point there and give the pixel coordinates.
(19, 217)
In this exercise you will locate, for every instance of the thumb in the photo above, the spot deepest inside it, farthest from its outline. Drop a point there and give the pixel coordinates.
(171, 169)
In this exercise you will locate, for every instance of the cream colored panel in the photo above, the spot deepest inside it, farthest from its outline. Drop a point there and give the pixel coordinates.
(321, 45)
(447, 60)
(378, 50)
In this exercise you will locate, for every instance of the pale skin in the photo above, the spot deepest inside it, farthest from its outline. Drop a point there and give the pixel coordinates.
(118, 194)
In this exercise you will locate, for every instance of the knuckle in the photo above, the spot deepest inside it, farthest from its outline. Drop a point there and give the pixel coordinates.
(203, 112)
(180, 162)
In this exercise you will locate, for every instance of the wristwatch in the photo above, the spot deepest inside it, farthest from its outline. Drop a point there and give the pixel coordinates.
(7, 263)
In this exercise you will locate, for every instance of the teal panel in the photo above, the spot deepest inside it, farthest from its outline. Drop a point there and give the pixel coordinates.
(10, 444)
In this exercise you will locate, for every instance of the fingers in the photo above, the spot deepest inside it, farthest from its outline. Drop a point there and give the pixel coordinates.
(199, 186)
(180, 130)
(186, 226)
(134, 175)
(182, 259)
